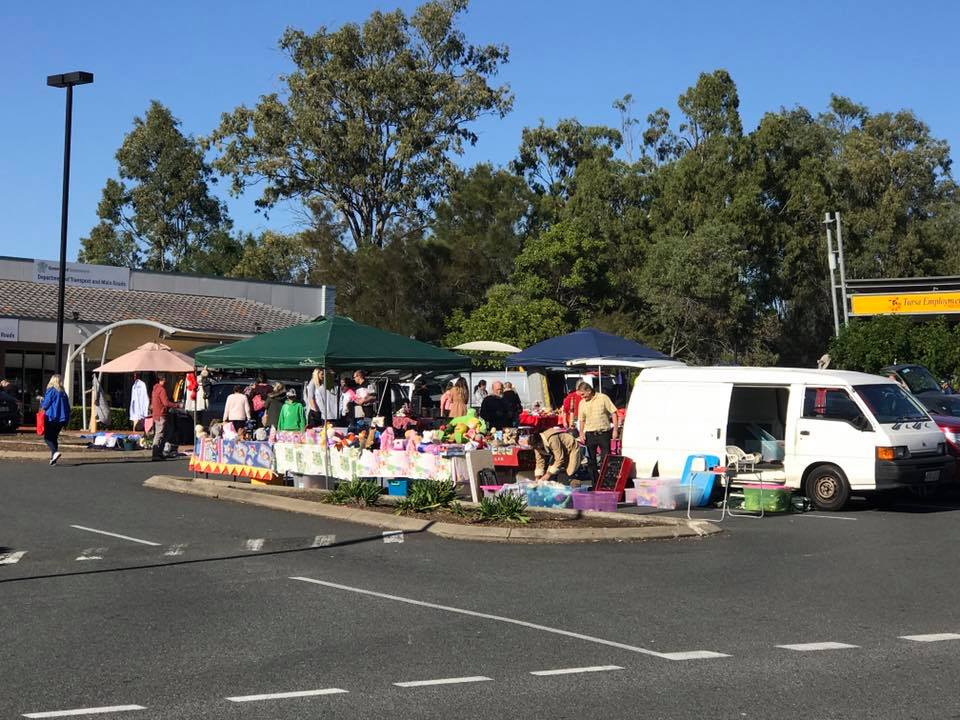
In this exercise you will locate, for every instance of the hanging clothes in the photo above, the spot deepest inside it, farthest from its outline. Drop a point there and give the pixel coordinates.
(139, 401)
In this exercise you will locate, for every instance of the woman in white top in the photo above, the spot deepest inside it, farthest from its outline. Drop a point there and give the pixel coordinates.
(479, 393)
(237, 408)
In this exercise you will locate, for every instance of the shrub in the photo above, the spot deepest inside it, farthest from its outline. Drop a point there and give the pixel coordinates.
(507, 507)
(427, 495)
(119, 419)
(361, 492)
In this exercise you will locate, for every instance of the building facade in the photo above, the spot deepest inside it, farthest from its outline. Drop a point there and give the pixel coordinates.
(109, 311)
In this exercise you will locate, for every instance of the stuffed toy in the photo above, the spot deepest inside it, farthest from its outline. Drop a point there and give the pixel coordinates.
(413, 441)
(386, 439)
(470, 420)
(199, 432)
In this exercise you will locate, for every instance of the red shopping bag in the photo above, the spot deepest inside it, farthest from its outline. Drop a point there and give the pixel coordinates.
(41, 421)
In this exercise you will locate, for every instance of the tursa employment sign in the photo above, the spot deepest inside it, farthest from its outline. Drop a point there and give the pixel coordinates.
(80, 275)
(923, 303)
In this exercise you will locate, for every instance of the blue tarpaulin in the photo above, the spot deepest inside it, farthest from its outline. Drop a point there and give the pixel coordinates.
(585, 343)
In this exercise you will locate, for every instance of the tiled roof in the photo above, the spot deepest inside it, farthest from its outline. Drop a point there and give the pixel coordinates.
(187, 312)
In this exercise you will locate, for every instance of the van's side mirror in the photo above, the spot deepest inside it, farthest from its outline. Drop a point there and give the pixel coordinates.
(861, 423)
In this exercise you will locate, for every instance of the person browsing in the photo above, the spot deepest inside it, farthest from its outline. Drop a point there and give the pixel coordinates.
(160, 404)
(495, 411)
(594, 417)
(557, 454)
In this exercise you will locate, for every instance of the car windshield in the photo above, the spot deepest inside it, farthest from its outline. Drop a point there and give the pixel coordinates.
(889, 403)
(942, 404)
(919, 379)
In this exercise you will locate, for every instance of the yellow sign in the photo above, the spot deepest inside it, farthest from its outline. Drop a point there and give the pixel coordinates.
(924, 303)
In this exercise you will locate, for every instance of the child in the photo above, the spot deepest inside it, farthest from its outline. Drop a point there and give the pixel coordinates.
(292, 415)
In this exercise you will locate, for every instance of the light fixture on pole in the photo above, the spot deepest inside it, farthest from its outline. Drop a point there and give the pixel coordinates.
(65, 80)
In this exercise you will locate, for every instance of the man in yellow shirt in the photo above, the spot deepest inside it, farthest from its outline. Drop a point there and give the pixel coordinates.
(594, 418)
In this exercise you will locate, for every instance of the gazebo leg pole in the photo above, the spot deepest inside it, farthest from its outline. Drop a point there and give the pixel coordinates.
(83, 387)
(98, 384)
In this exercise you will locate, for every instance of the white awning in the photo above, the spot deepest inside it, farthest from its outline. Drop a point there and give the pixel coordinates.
(487, 346)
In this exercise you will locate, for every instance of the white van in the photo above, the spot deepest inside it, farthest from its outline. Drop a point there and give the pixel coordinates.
(826, 432)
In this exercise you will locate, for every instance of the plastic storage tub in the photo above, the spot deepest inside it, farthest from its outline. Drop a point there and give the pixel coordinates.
(660, 493)
(700, 486)
(490, 490)
(603, 500)
(773, 498)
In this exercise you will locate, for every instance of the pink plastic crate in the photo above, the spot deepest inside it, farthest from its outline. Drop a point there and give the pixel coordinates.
(490, 490)
(604, 500)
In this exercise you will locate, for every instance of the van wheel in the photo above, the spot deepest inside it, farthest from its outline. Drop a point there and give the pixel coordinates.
(827, 488)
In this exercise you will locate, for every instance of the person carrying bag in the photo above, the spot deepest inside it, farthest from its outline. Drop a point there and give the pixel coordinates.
(53, 416)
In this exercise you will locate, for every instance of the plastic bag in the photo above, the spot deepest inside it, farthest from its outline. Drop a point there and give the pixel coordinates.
(41, 421)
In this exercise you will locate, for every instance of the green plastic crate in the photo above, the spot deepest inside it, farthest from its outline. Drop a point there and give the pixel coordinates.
(774, 499)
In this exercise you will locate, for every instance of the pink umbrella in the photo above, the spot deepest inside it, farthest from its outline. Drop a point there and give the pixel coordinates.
(149, 357)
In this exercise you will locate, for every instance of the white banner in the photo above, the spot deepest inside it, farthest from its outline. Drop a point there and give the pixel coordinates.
(9, 329)
(101, 277)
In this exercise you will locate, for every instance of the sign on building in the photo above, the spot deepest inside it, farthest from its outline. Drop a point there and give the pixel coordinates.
(9, 329)
(100, 277)
(918, 303)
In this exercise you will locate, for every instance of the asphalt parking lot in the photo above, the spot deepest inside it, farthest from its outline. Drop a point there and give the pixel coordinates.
(152, 604)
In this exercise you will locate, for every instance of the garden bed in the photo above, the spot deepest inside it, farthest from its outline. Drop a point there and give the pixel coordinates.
(537, 518)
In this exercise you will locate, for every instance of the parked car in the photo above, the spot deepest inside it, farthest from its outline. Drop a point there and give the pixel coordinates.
(842, 432)
(945, 411)
(916, 378)
(10, 414)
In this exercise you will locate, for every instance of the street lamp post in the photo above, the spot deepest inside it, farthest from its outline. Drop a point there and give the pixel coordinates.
(65, 80)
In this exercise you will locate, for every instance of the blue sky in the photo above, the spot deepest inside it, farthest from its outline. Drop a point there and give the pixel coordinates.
(567, 59)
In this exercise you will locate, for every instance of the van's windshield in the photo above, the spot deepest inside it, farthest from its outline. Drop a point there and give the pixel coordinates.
(889, 403)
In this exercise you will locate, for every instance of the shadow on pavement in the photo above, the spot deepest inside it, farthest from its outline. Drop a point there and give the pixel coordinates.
(220, 558)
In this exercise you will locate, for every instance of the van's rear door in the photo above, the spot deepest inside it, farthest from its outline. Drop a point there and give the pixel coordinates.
(694, 422)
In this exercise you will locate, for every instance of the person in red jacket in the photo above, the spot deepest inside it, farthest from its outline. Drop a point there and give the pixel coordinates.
(160, 403)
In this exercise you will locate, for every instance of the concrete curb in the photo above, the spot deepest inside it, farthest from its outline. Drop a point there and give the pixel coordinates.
(647, 528)
(93, 456)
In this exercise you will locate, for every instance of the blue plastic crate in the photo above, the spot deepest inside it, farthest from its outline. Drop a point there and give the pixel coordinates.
(398, 486)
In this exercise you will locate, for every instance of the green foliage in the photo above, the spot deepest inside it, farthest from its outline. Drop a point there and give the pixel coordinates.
(428, 495)
(506, 508)
(160, 213)
(369, 119)
(358, 492)
(870, 344)
(119, 419)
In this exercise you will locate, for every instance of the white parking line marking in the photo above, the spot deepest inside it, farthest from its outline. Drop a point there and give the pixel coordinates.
(935, 637)
(324, 540)
(84, 711)
(393, 536)
(443, 681)
(693, 655)
(499, 618)
(826, 517)
(122, 537)
(573, 671)
(284, 695)
(175, 550)
(92, 554)
(810, 647)
(12, 558)
(254, 544)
